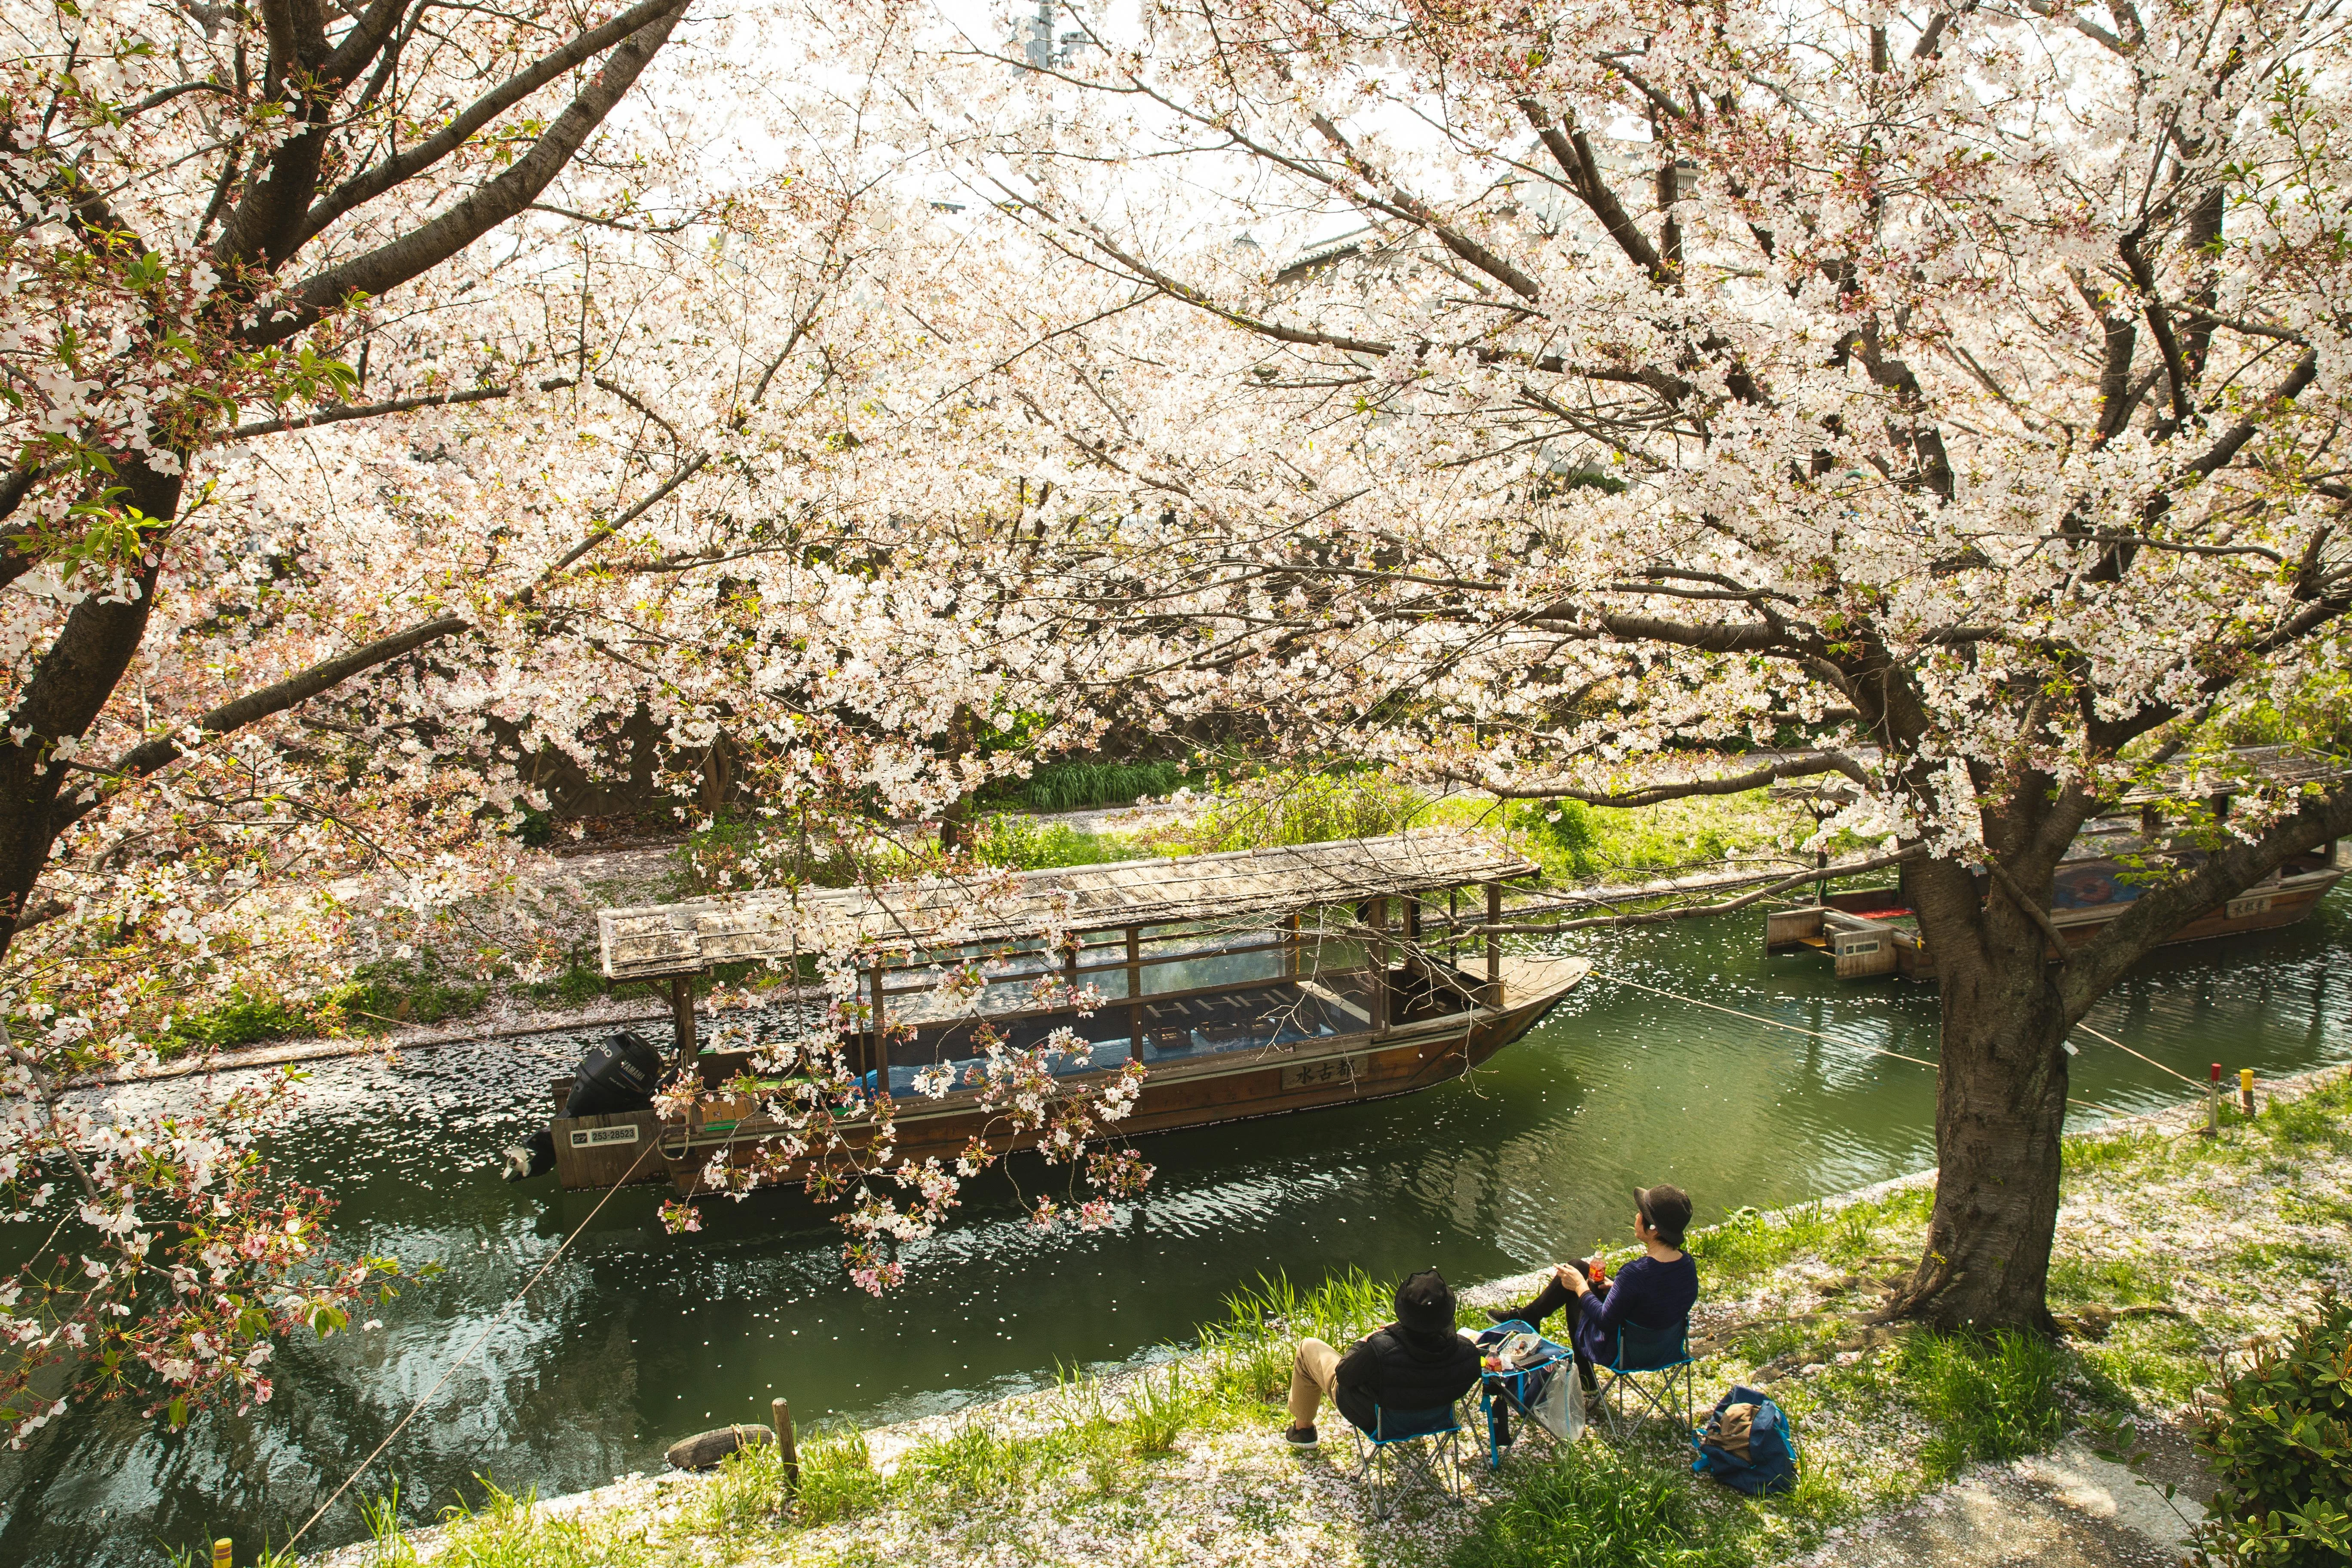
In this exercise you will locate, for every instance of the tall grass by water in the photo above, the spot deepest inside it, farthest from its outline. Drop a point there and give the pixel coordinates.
(1076, 785)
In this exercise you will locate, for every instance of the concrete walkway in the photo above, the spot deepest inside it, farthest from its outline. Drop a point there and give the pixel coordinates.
(2067, 1509)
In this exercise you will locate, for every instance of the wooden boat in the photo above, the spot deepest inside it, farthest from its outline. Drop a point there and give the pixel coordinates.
(1247, 984)
(1871, 932)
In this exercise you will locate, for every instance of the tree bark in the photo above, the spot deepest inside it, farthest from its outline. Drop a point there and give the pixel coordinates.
(2008, 1002)
(2000, 1106)
(69, 686)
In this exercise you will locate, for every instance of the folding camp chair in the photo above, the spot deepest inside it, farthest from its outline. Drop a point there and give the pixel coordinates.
(1642, 1354)
(1403, 1443)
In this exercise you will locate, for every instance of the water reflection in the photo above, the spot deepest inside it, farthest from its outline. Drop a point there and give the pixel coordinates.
(636, 1339)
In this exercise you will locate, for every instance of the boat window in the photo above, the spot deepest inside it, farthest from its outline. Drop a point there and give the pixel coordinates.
(1251, 1018)
(1103, 1044)
(1012, 977)
(1195, 956)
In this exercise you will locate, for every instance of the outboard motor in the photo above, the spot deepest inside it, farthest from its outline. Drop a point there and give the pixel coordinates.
(617, 1075)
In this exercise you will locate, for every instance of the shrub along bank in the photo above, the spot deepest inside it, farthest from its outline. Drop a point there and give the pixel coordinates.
(1184, 1463)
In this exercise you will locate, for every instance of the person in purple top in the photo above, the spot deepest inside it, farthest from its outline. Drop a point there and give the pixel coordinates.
(1656, 1290)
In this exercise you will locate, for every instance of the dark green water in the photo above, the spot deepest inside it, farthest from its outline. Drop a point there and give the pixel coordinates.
(637, 1338)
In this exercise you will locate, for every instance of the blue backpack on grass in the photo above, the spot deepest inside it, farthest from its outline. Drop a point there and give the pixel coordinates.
(1747, 1443)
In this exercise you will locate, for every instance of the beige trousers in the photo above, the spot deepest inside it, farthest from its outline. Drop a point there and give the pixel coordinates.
(1312, 1376)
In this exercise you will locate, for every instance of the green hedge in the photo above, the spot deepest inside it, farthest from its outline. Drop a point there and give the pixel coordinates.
(2279, 1439)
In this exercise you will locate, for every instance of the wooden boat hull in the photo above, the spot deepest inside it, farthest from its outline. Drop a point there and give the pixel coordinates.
(1341, 1069)
(1860, 948)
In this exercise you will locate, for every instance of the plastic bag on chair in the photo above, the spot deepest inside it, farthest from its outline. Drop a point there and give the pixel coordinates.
(1558, 1406)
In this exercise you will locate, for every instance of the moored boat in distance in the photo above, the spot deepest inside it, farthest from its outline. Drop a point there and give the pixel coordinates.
(1874, 933)
(1246, 984)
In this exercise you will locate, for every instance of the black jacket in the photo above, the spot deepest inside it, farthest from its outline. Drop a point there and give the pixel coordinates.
(1403, 1369)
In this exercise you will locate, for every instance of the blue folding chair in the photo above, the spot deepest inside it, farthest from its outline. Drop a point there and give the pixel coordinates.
(1518, 1388)
(1659, 1354)
(1403, 1443)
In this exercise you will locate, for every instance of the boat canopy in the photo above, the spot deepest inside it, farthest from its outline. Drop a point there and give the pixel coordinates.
(656, 940)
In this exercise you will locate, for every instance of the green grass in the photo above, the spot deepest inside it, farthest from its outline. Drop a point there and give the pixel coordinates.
(1747, 1245)
(1026, 844)
(839, 1479)
(508, 1532)
(1997, 1396)
(2318, 1120)
(971, 1462)
(2116, 1151)
(380, 996)
(2108, 1282)
(741, 1508)
(579, 984)
(1075, 785)
(975, 1464)
(1292, 808)
(1580, 843)
(1807, 1339)
(1158, 1411)
(1599, 1506)
(2148, 1364)
(1251, 1348)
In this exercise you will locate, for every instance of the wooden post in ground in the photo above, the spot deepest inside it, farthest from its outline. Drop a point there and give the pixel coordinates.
(1494, 945)
(221, 1552)
(681, 1013)
(2246, 1090)
(788, 1447)
(2214, 1103)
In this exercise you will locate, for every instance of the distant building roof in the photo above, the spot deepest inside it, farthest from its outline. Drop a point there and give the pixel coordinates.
(658, 939)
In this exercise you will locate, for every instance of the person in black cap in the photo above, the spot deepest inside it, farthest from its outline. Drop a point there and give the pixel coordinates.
(1656, 1290)
(1417, 1362)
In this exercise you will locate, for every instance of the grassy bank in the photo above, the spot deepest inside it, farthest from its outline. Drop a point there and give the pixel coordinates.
(1184, 1463)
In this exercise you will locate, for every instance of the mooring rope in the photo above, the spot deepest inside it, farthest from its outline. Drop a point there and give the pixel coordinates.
(1816, 1034)
(2128, 1052)
(479, 1341)
(1759, 1019)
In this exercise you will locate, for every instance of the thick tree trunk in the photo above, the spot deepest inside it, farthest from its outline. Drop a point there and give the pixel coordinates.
(72, 682)
(2000, 1093)
(2001, 1105)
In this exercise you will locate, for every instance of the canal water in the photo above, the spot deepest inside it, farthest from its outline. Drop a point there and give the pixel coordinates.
(636, 1338)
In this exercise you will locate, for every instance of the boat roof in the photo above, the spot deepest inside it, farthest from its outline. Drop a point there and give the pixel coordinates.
(655, 939)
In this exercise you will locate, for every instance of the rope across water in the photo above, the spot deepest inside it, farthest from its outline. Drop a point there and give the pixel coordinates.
(1857, 1045)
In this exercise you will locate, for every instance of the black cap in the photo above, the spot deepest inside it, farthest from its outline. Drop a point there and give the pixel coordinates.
(1667, 1209)
(1425, 1302)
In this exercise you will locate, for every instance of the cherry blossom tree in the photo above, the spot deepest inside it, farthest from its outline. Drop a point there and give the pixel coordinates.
(1617, 403)
(401, 412)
